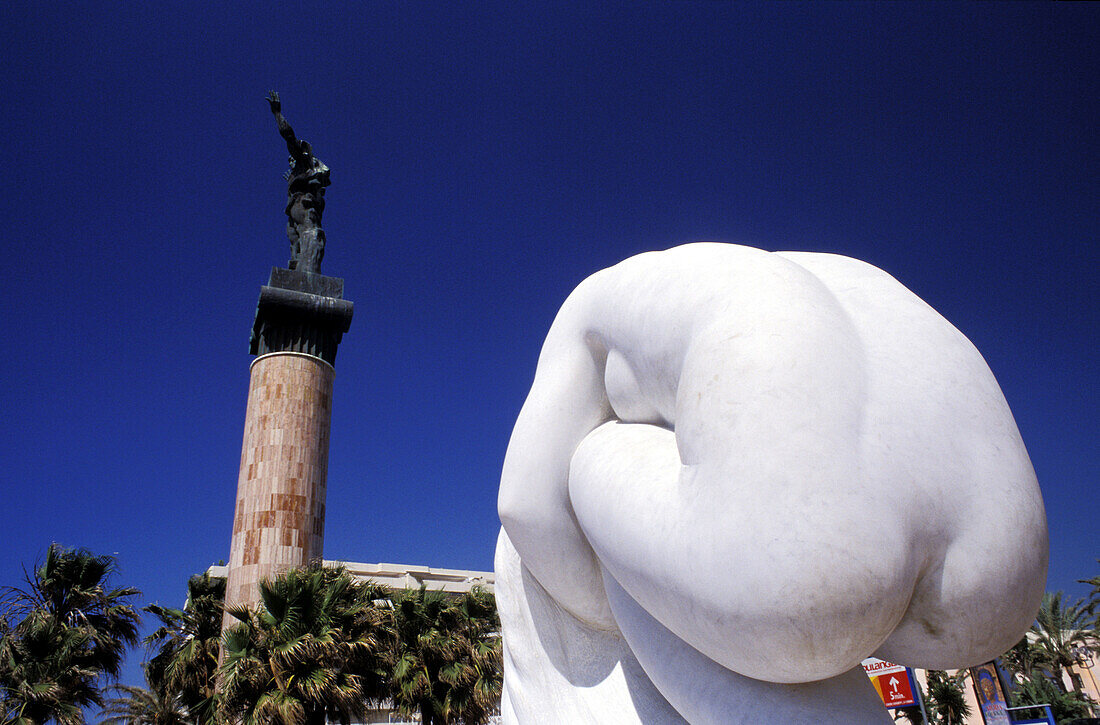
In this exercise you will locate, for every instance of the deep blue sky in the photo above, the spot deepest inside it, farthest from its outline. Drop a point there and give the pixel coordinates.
(485, 159)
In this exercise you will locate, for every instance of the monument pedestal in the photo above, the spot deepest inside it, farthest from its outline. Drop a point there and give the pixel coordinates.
(279, 518)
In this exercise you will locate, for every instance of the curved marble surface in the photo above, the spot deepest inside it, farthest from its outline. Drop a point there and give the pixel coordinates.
(739, 473)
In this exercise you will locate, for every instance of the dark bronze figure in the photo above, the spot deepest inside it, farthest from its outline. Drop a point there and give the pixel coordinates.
(306, 182)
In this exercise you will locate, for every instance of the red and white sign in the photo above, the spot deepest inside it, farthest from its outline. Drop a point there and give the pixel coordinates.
(893, 682)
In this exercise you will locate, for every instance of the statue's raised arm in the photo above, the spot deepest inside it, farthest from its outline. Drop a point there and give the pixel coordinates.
(298, 149)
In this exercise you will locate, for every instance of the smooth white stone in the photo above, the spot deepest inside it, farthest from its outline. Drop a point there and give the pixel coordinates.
(777, 464)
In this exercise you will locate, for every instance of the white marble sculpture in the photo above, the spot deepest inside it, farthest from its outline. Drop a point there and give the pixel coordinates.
(738, 474)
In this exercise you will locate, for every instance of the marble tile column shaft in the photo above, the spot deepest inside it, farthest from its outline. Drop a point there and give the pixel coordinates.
(279, 516)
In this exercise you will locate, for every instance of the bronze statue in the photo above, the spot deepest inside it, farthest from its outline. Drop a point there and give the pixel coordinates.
(306, 182)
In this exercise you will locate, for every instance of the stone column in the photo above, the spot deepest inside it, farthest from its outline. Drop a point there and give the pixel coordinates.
(279, 519)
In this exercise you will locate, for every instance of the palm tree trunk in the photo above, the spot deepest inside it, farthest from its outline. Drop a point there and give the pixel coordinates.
(1060, 676)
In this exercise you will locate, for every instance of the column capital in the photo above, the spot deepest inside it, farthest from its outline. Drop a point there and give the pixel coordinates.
(301, 312)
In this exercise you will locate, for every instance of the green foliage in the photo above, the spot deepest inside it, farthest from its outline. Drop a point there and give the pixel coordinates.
(63, 635)
(324, 645)
(1041, 690)
(187, 646)
(912, 714)
(1039, 660)
(313, 650)
(1060, 628)
(946, 701)
(447, 656)
(1094, 601)
(1022, 659)
(320, 647)
(140, 706)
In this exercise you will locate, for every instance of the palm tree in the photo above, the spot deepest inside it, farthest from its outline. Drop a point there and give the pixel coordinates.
(946, 697)
(447, 662)
(187, 647)
(1094, 596)
(1059, 630)
(1041, 690)
(912, 714)
(43, 674)
(1022, 660)
(65, 634)
(141, 706)
(311, 651)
